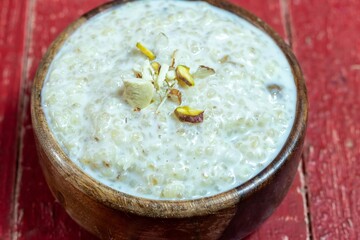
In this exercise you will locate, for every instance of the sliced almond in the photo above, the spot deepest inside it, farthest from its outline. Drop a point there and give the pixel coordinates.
(170, 75)
(162, 75)
(175, 96)
(172, 65)
(188, 114)
(138, 92)
(147, 71)
(146, 51)
(203, 72)
(183, 76)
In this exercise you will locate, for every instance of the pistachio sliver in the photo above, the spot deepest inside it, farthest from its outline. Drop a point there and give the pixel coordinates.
(188, 114)
(145, 51)
(183, 76)
(156, 66)
(138, 92)
(203, 72)
(175, 95)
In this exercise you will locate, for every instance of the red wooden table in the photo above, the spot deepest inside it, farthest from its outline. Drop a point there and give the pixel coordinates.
(324, 201)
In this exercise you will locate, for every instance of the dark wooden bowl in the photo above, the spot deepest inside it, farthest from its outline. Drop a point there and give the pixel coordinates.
(111, 214)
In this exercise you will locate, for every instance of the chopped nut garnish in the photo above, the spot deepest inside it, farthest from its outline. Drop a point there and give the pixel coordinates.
(156, 66)
(147, 71)
(183, 76)
(175, 95)
(203, 72)
(187, 114)
(138, 93)
(170, 75)
(162, 80)
(146, 51)
(172, 65)
(162, 75)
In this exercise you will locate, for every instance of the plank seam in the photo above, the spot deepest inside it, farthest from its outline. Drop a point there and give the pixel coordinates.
(307, 198)
(303, 174)
(14, 234)
(285, 10)
(8, 18)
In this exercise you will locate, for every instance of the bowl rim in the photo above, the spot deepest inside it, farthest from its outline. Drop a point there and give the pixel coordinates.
(157, 207)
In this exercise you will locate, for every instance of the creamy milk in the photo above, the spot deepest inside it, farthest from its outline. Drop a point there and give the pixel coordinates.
(249, 102)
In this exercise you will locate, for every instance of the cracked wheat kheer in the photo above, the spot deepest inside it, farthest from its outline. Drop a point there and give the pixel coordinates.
(170, 99)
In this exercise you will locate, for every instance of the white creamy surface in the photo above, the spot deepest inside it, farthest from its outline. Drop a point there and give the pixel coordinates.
(152, 154)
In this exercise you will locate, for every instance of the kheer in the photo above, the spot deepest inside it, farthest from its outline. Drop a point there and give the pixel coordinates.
(248, 103)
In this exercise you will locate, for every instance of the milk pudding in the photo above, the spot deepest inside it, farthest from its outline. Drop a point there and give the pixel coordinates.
(170, 99)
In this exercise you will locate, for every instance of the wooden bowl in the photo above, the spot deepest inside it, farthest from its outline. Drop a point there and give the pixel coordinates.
(111, 214)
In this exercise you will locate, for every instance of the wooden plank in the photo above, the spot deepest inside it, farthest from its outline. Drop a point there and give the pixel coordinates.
(270, 11)
(326, 40)
(39, 216)
(12, 35)
(289, 220)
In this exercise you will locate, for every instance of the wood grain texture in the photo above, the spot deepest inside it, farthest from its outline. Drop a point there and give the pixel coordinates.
(327, 43)
(268, 10)
(12, 39)
(289, 220)
(38, 215)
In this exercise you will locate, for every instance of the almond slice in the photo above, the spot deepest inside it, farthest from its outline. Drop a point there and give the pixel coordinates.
(161, 77)
(138, 92)
(203, 72)
(173, 56)
(183, 76)
(146, 51)
(170, 75)
(188, 114)
(175, 96)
